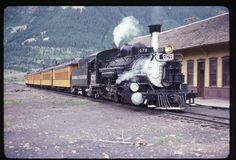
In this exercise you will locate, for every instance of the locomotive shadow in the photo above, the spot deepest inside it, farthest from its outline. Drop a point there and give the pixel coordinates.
(133, 108)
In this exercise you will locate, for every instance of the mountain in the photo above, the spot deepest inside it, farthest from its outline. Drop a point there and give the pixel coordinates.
(36, 37)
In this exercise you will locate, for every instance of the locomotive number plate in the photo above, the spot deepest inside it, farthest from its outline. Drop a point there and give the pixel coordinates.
(168, 57)
(143, 50)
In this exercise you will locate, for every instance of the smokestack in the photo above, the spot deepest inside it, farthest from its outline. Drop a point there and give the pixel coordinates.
(155, 31)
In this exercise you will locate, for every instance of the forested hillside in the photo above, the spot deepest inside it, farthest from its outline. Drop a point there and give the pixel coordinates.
(36, 37)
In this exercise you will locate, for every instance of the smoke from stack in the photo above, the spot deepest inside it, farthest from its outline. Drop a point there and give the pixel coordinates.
(129, 27)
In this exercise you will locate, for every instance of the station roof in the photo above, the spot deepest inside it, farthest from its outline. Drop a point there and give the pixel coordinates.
(212, 30)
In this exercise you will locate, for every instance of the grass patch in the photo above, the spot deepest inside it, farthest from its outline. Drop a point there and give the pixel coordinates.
(71, 102)
(166, 139)
(12, 76)
(14, 79)
(6, 124)
(11, 102)
(74, 102)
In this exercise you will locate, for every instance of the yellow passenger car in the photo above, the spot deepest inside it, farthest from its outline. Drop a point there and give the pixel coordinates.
(29, 79)
(26, 79)
(62, 74)
(36, 78)
(46, 77)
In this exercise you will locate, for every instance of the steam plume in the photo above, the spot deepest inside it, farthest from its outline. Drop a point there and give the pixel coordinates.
(125, 76)
(138, 67)
(129, 27)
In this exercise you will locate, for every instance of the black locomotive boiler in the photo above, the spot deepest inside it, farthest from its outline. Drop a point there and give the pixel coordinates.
(134, 74)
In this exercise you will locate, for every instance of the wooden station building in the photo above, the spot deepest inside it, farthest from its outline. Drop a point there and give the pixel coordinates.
(205, 47)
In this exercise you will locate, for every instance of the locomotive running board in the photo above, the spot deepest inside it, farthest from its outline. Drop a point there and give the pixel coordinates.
(166, 108)
(170, 108)
(151, 106)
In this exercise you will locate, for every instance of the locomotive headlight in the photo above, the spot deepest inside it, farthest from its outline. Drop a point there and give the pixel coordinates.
(134, 87)
(169, 49)
(137, 98)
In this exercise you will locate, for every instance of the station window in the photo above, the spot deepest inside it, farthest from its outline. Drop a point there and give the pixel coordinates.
(213, 71)
(225, 69)
(190, 72)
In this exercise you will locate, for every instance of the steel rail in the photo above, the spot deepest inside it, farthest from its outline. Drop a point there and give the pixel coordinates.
(206, 118)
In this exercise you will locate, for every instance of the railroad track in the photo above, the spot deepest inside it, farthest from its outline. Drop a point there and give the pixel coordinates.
(202, 120)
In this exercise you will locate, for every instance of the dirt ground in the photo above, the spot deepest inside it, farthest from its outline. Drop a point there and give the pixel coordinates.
(42, 124)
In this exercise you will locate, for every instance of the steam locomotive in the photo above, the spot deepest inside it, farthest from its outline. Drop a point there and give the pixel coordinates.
(134, 74)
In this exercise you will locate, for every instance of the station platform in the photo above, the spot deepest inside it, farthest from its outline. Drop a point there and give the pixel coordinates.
(219, 103)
